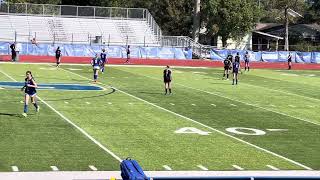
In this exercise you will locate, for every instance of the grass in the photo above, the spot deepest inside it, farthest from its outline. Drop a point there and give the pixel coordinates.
(138, 121)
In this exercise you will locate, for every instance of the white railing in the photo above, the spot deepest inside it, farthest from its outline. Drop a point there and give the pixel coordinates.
(200, 50)
(83, 12)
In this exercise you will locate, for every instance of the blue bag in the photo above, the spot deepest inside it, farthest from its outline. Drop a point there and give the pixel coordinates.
(131, 170)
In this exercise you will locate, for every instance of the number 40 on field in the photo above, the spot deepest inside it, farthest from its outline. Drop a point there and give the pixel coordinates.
(234, 130)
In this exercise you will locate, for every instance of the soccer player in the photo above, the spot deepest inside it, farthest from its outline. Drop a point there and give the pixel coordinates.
(235, 70)
(289, 61)
(128, 54)
(227, 65)
(95, 62)
(13, 52)
(246, 61)
(34, 41)
(58, 56)
(167, 78)
(237, 57)
(30, 92)
(104, 60)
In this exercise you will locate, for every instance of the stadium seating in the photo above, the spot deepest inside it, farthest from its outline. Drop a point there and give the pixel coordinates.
(76, 30)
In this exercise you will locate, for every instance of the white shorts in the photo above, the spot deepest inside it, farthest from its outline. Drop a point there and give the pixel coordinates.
(96, 67)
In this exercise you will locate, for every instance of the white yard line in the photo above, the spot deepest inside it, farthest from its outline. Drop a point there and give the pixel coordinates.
(166, 167)
(54, 168)
(110, 65)
(250, 104)
(285, 92)
(276, 130)
(14, 168)
(202, 167)
(255, 105)
(209, 127)
(94, 175)
(93, 168)
(238, 167)
(73, 124)
(273, 168)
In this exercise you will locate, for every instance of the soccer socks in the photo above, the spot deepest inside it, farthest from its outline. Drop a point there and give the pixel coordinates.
(227, 76)
(236, 81)
(166, 90)
(232, 81)
(25, 109)
(170, 90)
(95, 77)
(35, 105)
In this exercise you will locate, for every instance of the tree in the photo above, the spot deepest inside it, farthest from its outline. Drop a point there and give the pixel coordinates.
(313, 14)
(230, 19)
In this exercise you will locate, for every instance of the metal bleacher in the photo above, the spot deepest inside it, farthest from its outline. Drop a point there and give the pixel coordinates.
(52, 24)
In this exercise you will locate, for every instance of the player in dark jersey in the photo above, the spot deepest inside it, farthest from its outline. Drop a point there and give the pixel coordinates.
(289, 61)
(13, 52)
(237, 57)
(235, 70)
(104, 60)
(58, 56)
(30, 92)
(227, 66)
(95, 62)
(167, 78)
(246, 61)
(128, 54)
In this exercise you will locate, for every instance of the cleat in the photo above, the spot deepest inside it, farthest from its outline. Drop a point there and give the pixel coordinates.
(24, 114)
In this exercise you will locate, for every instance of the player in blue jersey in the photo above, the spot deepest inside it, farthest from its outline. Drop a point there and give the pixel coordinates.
(104, 60)
(246, 61)
(95, 62)
(30, 92)
(235, 70)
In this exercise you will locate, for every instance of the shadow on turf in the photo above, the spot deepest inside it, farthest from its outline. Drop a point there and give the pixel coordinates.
(150, 93)
(10, 114)
(86, 97)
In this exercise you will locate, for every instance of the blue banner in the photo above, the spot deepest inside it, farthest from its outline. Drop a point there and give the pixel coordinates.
(269, 56)
(215, 56)
(154, 52)
(303, 57)
(315, 57)
(4, 48)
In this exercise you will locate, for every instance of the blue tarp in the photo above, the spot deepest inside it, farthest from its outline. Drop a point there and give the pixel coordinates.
(155, 52)
(89, 51)
(269, 56)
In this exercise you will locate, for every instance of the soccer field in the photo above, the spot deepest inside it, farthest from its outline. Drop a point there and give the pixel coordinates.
(269, 121)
